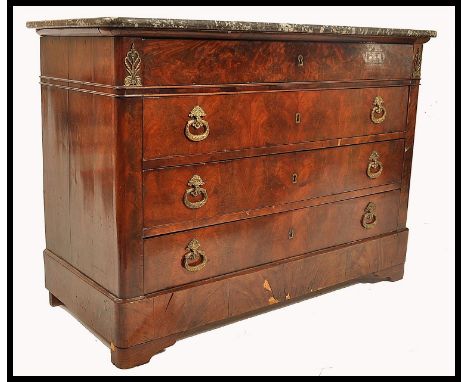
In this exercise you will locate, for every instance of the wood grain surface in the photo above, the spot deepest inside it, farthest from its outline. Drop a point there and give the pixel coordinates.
(284, 167)
(173, 61)
(247, 184)
(127, 323)
(245, 244)
(240, 121)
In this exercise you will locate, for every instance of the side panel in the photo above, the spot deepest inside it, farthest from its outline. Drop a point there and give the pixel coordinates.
(93, 220)
(55, 146)
(92, 165)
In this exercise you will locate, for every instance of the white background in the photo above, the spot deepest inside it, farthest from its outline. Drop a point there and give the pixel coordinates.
(398, 328)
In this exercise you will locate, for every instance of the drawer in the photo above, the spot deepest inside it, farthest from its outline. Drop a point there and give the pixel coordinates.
(239, 121)
(191, 193)
(187, 62)
(225, 248)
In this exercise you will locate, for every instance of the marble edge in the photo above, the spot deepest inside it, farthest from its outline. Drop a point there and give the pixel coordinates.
(226, 26)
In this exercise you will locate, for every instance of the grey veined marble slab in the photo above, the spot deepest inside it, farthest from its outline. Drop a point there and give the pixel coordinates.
(225, 26)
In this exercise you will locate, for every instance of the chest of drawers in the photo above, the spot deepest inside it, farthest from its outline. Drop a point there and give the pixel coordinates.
(197, 172)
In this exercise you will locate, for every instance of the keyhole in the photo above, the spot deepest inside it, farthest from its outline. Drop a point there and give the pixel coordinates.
(291, 233)
(300, 60)
(298, 117)
(294, 178)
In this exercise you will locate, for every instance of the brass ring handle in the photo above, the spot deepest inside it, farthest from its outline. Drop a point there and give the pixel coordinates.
(378, 112)
(375, 167)
(194, 254)
(197, 122)
(369, 219)
(195, 190)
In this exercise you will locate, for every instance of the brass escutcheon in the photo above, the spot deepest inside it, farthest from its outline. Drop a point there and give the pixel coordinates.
(294, 178)
(197, 122)
(369, 219)
(195, 190)
(378, 109)
(375, 167)
(298, 117)
(300, 60)
(291, 233)
(194, 254)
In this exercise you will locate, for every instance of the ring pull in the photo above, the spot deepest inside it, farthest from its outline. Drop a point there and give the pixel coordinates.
(195, 259)
(375, 167)
(197, 122)
(369, 219)
(300, 60)
(195, 190)
(378, 112)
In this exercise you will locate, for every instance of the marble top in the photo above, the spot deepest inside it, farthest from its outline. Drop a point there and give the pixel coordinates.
(226, 26)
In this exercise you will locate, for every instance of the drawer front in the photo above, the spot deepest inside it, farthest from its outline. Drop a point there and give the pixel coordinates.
(190, 193)
(225, 248)
(234, 122)
(188, 62)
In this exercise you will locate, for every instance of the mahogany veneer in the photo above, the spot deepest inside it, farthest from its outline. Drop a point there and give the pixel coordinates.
(255, 120)
(259, 61)
(266, 181)
(195, 176)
